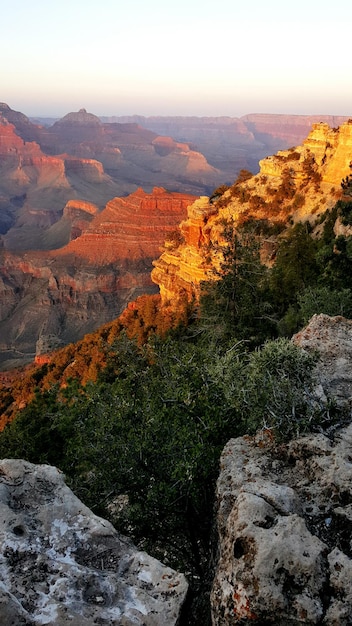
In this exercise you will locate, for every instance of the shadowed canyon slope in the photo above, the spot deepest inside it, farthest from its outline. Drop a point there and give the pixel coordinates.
(232, 143)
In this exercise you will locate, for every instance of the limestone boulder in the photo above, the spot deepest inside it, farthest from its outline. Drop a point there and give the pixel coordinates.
(284, 525)
(61, 564)
(331, 339)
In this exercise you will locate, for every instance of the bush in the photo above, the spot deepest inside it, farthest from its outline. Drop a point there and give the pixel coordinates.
(324, 300)
(278, 391)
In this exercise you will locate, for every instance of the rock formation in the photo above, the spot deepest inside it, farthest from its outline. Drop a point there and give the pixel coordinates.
(296, 184)
(331, 338)
(80, 158)
(71, 291)
(284, 512)
(131, 154)
(132, 228)
(61, 564)
(34, 188)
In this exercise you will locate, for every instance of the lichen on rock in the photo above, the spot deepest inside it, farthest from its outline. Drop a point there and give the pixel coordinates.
(61, 564)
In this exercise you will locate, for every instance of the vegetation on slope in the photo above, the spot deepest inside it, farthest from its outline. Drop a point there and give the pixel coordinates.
(136, 415)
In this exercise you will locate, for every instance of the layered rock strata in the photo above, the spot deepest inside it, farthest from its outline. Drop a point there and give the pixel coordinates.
(132, 228)
(68, 292)
(293, 185)
(61, 564)
(80, 158)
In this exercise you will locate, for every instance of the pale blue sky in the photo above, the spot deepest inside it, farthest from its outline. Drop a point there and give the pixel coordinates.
(185, 57)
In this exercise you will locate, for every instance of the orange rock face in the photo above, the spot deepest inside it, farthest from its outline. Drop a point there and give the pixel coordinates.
(296, 184)
(75, 289)
(132, 228)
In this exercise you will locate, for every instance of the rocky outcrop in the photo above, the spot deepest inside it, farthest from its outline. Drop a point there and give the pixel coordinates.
(284, 523)
(284, 511)
(294, 185)
(61, 564)
(331, 339)
(132, 228)
(78, 215)
(291, 130)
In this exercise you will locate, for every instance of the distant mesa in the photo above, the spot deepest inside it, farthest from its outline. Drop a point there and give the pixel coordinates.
(79, 117)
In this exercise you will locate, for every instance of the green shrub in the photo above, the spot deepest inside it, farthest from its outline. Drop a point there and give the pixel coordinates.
(278, 391)
(315, 300)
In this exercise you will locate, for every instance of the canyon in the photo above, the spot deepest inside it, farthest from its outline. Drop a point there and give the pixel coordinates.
(234, 143)
(80, 158)
(51, 298)
(87, 206)
(281, 549)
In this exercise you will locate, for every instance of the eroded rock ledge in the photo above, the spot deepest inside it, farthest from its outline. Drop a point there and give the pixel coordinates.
(61, 564)
(285, 522)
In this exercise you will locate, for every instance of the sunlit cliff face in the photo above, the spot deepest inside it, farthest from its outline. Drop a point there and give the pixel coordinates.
(293, 185)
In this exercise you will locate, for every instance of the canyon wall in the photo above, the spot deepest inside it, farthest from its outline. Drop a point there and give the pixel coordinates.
(293, 185)
(51, 298)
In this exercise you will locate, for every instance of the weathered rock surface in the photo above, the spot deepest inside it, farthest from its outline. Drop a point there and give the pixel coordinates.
(61, 564)
(331, 338)
(284, 511)
(284, 521)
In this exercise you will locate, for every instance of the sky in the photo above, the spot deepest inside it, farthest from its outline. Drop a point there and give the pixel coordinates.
(179, 57)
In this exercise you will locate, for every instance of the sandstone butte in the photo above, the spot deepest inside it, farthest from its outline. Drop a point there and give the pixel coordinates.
(312, 174)
(131, 228)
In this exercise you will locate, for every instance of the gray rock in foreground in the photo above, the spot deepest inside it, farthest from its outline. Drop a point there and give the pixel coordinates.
(331, 338)
(285, 528)
(61, 564)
